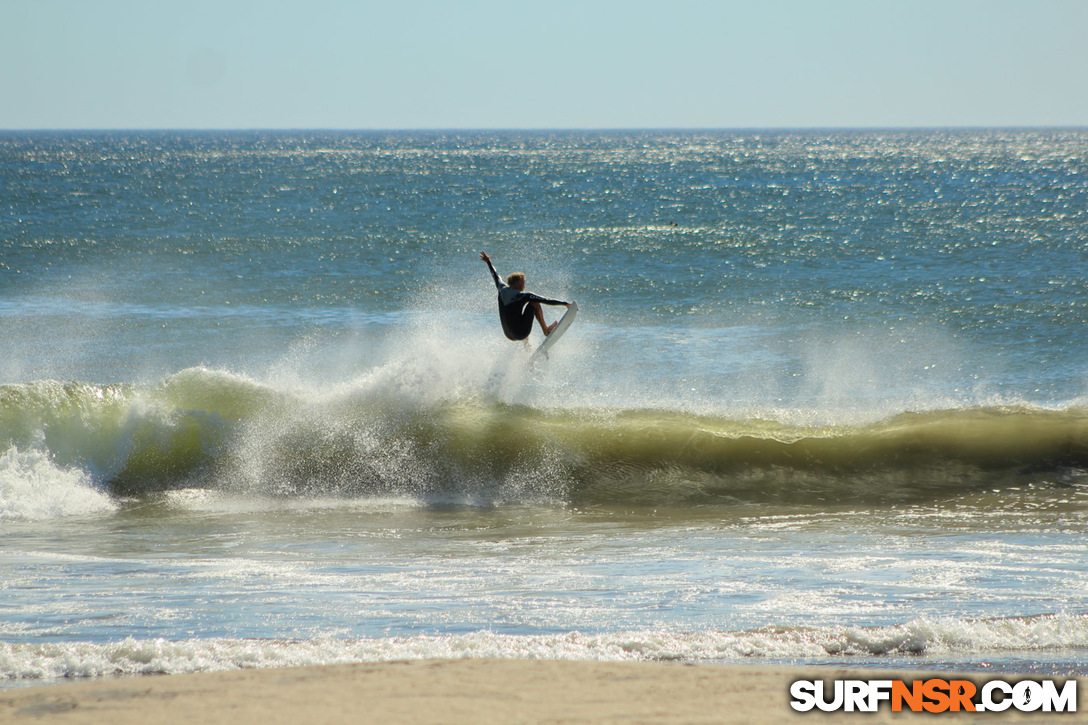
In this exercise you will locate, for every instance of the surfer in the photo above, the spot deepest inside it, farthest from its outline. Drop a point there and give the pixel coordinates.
(518, 308)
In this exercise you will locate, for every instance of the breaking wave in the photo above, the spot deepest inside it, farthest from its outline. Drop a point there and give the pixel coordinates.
(949, 639)
(69, 447)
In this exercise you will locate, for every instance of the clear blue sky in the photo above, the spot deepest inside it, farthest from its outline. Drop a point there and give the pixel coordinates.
(551, 64)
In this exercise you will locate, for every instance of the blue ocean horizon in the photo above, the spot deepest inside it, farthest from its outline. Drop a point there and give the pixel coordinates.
(824, 402)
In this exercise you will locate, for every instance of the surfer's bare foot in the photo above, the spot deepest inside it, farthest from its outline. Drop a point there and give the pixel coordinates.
(549, 328)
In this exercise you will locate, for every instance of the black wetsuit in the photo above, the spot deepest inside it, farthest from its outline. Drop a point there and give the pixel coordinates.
(515, 312)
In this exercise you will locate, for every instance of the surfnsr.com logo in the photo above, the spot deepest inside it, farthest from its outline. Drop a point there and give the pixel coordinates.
(934, 695)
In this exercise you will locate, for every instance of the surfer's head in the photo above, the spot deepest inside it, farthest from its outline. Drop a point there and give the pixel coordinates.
(516, 280)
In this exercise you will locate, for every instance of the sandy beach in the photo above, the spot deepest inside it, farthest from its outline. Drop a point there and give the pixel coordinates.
(460, 691)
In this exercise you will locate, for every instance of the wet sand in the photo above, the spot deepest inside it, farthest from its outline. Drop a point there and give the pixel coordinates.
(462, 691)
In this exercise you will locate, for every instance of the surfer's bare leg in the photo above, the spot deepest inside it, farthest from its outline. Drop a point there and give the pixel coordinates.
(544, 326)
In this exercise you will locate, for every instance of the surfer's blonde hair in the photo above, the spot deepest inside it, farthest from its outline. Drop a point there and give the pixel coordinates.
(514, 278)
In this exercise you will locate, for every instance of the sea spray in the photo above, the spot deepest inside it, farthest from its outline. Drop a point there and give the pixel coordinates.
(214, 429)
(33, 487)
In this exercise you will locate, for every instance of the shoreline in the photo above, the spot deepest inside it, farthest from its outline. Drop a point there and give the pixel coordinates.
(467, 691)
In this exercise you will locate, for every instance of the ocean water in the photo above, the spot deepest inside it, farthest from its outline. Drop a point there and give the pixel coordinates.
(826, 400)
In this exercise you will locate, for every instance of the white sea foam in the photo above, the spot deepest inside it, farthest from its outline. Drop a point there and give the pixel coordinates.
(32, 486)
(947, 638)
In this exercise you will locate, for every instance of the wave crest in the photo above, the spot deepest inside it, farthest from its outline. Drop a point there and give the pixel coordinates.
(213, 429)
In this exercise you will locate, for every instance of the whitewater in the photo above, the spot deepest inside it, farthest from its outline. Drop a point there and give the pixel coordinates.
(826, 400)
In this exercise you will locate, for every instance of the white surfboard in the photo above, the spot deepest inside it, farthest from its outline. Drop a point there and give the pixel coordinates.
(564, 322)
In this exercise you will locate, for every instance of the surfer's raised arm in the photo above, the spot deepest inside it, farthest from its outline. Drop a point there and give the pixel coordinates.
(494, 275)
